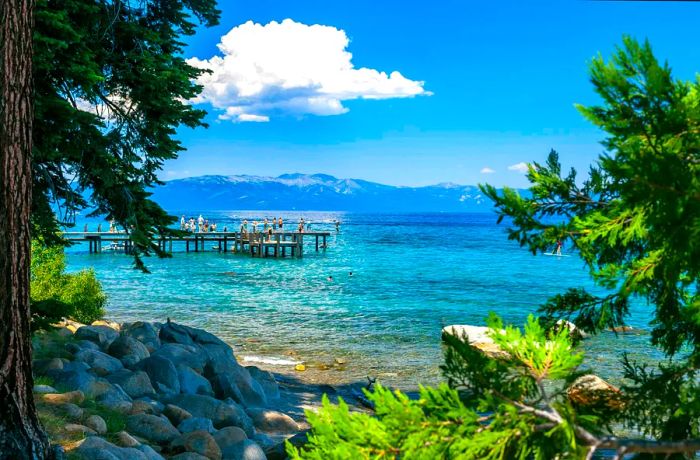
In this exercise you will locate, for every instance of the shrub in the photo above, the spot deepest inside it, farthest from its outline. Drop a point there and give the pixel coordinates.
(56, 295)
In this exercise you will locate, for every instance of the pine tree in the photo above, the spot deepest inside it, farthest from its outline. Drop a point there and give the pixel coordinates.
(109, 89)
(635, 222)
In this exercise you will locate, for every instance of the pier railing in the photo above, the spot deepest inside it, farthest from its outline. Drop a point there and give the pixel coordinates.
(277, 244)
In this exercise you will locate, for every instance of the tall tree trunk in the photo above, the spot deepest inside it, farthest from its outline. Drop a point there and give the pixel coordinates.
(21, 434)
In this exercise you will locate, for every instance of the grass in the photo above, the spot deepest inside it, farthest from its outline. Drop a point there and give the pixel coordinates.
(50, 344)
(43, 380)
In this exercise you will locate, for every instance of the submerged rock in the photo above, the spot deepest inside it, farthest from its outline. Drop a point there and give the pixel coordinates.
(591, 390)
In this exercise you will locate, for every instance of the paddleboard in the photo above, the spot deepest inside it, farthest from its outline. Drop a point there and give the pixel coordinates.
(556, 255)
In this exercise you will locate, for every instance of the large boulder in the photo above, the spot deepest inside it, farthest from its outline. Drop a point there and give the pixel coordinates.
(162, 373)
(231, 380)
(189, 355)
(96, 423)
(145, 333)
(267, 382)
(271, 421)
(115, 398)
(591, 391)
(101, 335)
(128, 350)
(229, 436)
(200, 442)
(193, 383)
(101, 363)
(221, 413)
(196, 424)
(135, 384)
(228, 378)
(84, 381)
(152, 428)
(70, 397)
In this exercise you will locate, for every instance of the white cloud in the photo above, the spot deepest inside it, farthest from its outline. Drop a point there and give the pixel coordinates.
(291, 68)
(519, 167)
(487, 170)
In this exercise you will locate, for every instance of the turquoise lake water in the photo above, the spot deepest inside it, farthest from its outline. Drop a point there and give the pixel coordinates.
(412, 275)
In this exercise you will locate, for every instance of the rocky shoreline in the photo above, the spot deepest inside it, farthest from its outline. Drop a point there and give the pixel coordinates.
(176, 391)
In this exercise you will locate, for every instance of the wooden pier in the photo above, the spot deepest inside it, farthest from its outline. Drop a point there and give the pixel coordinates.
(279, 244)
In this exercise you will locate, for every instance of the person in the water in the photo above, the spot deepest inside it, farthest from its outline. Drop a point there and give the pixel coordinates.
(558, 250)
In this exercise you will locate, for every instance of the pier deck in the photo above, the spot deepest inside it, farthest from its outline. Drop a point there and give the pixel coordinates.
(256, 244)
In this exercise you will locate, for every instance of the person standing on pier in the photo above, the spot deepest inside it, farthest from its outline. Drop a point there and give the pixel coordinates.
(266, 224)
(280, 223)
(182, 222)
(200, 223)
(99, 228)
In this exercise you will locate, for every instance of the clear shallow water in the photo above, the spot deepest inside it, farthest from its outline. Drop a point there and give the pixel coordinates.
(412, 275)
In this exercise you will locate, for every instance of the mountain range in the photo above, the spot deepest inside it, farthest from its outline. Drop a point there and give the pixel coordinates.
(318, 192)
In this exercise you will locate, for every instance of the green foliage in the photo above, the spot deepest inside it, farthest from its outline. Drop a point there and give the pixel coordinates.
(635, 222)
(56, 295)
(467, 419)
(111, 87)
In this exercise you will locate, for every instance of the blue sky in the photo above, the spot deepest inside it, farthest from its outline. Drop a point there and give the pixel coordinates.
(481, 85)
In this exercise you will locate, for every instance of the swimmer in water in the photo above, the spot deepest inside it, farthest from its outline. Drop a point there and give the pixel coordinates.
(330, 279)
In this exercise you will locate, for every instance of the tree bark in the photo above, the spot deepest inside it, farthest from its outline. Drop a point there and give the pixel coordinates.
(21, 434)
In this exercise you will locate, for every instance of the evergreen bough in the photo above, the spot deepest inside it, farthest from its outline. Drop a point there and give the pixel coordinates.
(635, 222)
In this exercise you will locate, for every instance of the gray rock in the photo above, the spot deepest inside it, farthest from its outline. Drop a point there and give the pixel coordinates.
(145, 333)
(196, 424)
(175, 333)
(128, 350)
(149, 452)
(152, 428)
(97, 423)
(229, 436)
(221, 413)
(76, 366)
(188, 456)
(126, 440)
(176, 414)
(193, 383)
(87, 345)
(189, 355)
(162, 373)
(135, 384)
(81, 380)
(245, 450)
(41, 389)
(115, 398)
(71, 411)
(231, 380)
(200, 442)
(100, 362)
(101, 335)
(96, 448)
(267, 382)
(147, 406)
(74, 428)
(42, 366)
(271, 421)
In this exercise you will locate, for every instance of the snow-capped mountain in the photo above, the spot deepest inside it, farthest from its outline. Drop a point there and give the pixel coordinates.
(319, 192)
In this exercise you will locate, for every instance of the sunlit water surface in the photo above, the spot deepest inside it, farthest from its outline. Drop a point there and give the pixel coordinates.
(412, 274)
